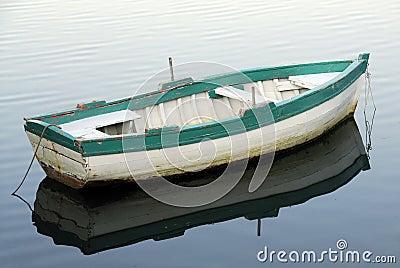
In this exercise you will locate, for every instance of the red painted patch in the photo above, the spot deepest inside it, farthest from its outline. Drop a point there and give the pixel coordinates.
(64, 114)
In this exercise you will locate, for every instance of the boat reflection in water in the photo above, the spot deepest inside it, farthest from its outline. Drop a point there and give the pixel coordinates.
(101, 219)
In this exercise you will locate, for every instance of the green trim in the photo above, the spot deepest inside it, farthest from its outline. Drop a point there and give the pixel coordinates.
(213, 95)
(153, 139)
(52, 133)
(364, 56)
(173, 84)
(320, 94)
(259, 74)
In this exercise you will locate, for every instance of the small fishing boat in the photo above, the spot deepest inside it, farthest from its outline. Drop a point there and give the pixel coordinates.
(99, 219)
(232, 116)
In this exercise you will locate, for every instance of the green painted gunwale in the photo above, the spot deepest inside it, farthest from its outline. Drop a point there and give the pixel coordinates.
(151, 140)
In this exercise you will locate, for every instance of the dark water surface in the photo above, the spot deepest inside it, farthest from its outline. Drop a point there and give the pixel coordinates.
(54, 54)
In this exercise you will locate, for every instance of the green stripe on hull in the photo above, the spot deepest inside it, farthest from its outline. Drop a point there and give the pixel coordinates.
(351, 71)
(52, 133)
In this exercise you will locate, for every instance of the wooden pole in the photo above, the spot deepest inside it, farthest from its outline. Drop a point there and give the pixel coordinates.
(253, 95)
(171, 70)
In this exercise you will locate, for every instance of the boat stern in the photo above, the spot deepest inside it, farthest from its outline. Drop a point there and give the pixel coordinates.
(57, 153)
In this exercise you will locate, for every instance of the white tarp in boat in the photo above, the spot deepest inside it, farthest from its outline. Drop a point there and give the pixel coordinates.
(87, 127)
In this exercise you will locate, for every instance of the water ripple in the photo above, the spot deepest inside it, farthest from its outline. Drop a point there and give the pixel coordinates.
(55, 54)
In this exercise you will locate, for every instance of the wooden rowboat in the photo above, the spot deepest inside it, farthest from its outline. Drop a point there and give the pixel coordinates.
(263, 110)
(101, 219)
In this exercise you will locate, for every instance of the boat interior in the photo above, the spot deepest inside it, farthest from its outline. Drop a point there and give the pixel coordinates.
(221, 103)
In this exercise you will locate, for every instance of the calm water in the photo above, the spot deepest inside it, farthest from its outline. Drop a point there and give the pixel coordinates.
(54, 54)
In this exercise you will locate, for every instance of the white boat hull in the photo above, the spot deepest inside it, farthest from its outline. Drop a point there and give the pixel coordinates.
(296, 130)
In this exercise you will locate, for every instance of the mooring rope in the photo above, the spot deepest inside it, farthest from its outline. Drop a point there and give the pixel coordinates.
(23, 200)
(33, 158)
(368, 124)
